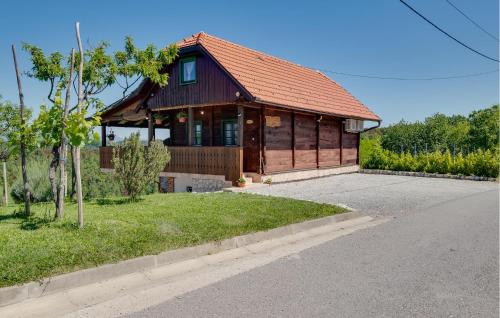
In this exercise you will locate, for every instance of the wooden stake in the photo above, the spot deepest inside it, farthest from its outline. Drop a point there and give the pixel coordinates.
(5, 191)
(27, 193)
(190, 126)
(150, 127)
(79, 196)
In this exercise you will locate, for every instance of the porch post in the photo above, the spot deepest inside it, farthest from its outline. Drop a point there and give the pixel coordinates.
(241, 121)
(190, 126)
(150, 128)
(103, 135)
(211, 125)
(241, 117)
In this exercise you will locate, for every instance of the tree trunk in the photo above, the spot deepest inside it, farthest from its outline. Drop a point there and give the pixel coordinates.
(27, 194)
(79, 196)
(5, 190)
(73, 176)
(63, 150)
(53, 177)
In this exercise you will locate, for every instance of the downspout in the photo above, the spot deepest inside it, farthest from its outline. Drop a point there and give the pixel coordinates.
(359, 139)
(377, 126)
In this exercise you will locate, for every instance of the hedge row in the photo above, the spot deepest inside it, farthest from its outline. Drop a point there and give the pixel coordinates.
(478, 163)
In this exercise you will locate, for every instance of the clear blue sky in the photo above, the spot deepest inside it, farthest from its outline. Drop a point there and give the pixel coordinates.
(358, 36)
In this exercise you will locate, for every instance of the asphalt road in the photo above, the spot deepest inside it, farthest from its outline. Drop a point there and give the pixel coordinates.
(436, 259)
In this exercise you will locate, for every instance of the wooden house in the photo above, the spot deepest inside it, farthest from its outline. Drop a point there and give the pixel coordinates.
(232, 111)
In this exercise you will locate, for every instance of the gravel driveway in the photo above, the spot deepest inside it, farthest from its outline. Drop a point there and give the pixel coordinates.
(377, 194)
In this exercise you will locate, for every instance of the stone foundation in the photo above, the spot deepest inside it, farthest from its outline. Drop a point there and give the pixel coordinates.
(309, 174)
(207, 185)
(180, 182)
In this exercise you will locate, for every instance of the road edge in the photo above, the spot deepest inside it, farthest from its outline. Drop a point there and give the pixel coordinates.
(14, 294)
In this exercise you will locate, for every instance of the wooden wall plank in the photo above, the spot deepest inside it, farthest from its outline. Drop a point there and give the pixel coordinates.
(349, 148)
(278, 142)
(329, 140)
(305, 141)
(213, 85)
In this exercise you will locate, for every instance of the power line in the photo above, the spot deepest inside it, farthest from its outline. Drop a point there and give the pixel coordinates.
(409, 78)
(472, 21)
(447, 34)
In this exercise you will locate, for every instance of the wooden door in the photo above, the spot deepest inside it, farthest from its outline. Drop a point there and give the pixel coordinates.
(251, 140)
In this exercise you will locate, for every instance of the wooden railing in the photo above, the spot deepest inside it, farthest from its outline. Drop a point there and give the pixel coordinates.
(105, 157)
(227, 161)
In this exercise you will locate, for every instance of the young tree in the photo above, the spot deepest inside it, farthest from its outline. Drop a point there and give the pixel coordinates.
(136, 166)
(63, 151)
(7, 113)
(10, 136)
(99, 71)
(4, 156)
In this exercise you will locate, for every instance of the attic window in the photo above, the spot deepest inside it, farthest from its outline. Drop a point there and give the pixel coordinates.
(188, 70)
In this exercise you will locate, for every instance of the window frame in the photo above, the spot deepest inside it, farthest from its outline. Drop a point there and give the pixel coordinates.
(234, 137)
(181, 70)
(198, 122)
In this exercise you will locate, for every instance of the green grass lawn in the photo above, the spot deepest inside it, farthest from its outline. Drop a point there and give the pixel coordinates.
(117, 229)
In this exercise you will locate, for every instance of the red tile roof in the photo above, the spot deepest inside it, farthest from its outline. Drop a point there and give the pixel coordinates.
(279, 82)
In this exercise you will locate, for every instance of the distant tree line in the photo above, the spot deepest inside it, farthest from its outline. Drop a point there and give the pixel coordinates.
(456, 133)
(460, 145)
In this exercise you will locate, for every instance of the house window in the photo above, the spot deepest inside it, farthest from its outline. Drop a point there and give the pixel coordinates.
(188, 70)
(229, 132)
(198, 127)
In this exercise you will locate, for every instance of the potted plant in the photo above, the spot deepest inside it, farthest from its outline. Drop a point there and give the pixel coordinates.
(111, 135)
(241, 182)
(158, 119)
(182, 117)
(268, 181)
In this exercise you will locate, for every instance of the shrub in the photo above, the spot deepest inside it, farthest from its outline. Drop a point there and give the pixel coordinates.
(478, 163)
(404, 162)
(95, 183)
(137, 167)
(38, 179)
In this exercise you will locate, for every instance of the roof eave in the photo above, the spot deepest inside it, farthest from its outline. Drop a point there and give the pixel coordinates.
(262, 101)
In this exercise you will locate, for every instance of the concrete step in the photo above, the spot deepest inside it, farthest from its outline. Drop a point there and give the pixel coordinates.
(257, 178)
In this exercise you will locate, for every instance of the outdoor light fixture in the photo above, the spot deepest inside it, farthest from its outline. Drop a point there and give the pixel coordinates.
(111, 135)
(202, 112)
(237, 94)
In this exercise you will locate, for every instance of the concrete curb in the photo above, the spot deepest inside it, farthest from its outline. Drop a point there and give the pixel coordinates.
(15, 294)
(426, 175)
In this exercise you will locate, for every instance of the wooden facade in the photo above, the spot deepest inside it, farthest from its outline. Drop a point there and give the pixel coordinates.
(267, 138)
(306, 141)
(272, 141)
(213, 86)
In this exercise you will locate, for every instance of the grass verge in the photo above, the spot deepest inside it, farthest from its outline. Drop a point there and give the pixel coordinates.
(117, 229)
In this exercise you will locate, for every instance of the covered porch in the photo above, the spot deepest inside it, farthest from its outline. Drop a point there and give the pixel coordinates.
(202, 140)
